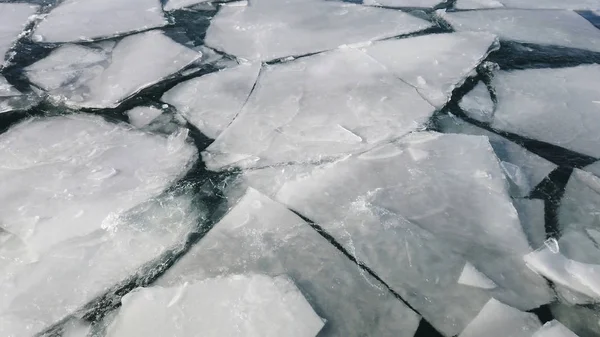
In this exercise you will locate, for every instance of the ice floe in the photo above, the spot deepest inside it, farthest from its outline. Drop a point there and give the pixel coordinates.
(554, 329)
(14, 17)
(497, 319)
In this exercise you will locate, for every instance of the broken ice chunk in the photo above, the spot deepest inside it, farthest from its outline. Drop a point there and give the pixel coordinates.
(212, 101)
(478, 103)
(76, 20)
(545, 27)
(178, 4)
(14, 17)
(527, 169)
(554, 329)
(531, 213)
(434, 64)
(580, 205)
(313, 109)
(497, 319)
(259, 235)
(92, 77)
(237, 305)
(7, 90)
(403, 3)
(143, 115)
(470, 276)
(268, 30)
(477, 4)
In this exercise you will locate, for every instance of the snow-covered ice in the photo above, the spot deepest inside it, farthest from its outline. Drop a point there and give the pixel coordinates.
(212, 101)
(497, 319)
(580, 205)
(273, 29)
(554, 329)
(84, 20)
(143, 115)
(13, 18)
(93, 77)
(259, 235)
(236, 305)
(478, 104)
(545, 27)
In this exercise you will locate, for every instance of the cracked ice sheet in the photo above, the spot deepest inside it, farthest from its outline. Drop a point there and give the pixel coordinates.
(580, 205)
(238, 305)
(524, 169)
(212, 101)
(267, 30)
(13, 17)
(545, 27)
(85, 20)
(497, 319)
(412, 191)
(259, 235)
(38, 290)
(102, 76)
(434, 64)
(538, 112)
(313, 109)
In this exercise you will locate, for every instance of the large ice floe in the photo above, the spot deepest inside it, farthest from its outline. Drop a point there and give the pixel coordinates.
(102, 76)
(13, 19)
(78, 214)
(84, 20)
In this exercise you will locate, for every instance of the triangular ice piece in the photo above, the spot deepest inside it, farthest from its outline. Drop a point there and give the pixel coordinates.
(470, 276)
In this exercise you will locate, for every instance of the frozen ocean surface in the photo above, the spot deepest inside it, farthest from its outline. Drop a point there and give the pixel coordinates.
(292, 168)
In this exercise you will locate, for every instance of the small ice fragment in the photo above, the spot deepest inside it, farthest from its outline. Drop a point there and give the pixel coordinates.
(478, 103)
(552, 244)
(470, 276)
(554, 329)
(497, 319)
(142, 116)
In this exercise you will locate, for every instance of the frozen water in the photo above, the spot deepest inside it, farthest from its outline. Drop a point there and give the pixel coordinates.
(11, 99)
(273, 29)
(545, 27)
(477, 4)
(314, 109)
(407, 210)
(403, 3)
(585, 322)
(434, 64)
(76, 328)
(14, 17)
(143, 115)
(478, 104)
(531, 213)
(497, 319)
(524, 169)
(552, 4)
(579, 207)
(178, 4)
(554, 329)
(259, 235)
(84, 20)
(539, 112)
(93, 77)
(470, 276)
(237, 305)
(7, 90)
(212, 101)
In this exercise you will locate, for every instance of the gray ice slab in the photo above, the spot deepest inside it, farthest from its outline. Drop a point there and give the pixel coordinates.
(554, 329)
(478, 104)
(497, 319)
(172, 5)
(477, 4)
(524, 169)
(238, 305)
(141, 116)
(84, 20)
(563, 112)
(267, 30)
(14, 17)
(585, 322)
(212, 101)
(531, 213)
(580, 205)
(259, 235)
(93, 77)
(545, 27)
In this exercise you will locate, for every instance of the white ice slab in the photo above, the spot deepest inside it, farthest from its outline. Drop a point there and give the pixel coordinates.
(434, 64)
(259, 235)
(93, 77)
(314, 109)
(212, 101)
(531, 213)
(554, 329)
(84, 20)
(407, 209)
(403, 3)
(143, 115)
(545, 27)
(497, 319)
(478, 104)
(267, 30)
(579, 207)
(470, 276)
(178, 4)
(524, 169)
(562, 112)
(14, 17)
(237, 305)
(552, 4)
(477, 4)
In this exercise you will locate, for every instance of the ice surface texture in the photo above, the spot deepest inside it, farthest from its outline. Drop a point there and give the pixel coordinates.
(14, 17)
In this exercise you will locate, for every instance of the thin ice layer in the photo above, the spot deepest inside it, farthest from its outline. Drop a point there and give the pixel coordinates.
(267, 30)
(237, 305)
(580, 205)
(477, 4)
(102, 76)
(434, 64)
(84, 20)
(314, 109)
(563, 112)
(407, 209)
(497, 319)
(212, 101)
(531, 213)
(524, 169)
(545, 27)
(172, 5)
(64, 176)
(259, 235)
(14, 17)
(478, 104)
(143, 115)
(38, 290)
(403, 3)
(554, 329)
